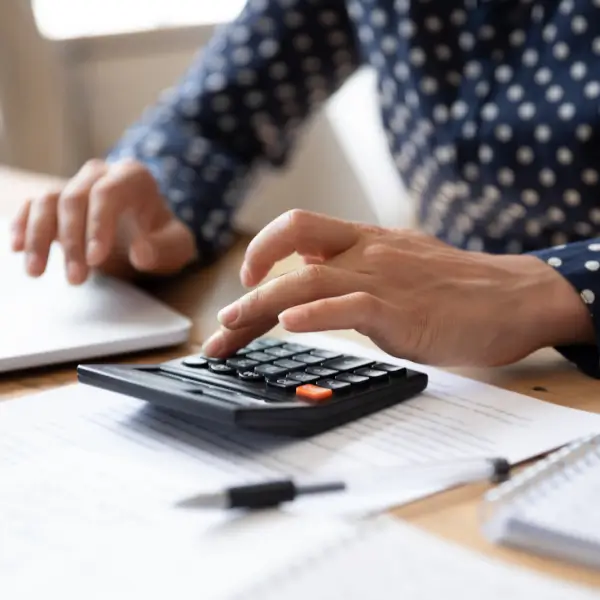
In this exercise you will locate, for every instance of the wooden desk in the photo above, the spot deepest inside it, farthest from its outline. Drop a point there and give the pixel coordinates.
(452, 515)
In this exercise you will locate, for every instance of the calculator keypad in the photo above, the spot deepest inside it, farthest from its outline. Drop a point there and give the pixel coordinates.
(315, 375)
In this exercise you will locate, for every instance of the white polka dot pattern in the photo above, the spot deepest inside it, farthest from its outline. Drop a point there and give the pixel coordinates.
(490, 110)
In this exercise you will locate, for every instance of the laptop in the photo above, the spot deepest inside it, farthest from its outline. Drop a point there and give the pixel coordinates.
(46, 321)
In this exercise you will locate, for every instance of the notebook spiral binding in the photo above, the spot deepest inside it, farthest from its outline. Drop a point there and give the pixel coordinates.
(523, 491)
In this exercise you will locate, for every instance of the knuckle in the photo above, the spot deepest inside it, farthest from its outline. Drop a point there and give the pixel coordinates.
(133, 169)
(367, 304)
(378, 253)
(313, 275)
(253, 300)
(94, 164)
(131, 164)
(367, 307)
(37, 238)
(297, 218)
(106, 189)
(47, 202)
(72, 201)
(71, 247)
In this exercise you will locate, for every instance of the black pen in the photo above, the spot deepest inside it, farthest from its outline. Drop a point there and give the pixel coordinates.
(273, 493)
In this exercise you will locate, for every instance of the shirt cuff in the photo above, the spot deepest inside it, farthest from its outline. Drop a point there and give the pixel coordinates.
(202, 185)
(579, 263)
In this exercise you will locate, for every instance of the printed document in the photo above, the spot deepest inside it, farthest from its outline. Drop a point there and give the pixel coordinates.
(93, 482)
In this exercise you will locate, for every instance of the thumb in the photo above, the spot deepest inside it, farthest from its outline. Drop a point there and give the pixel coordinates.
(165, 250)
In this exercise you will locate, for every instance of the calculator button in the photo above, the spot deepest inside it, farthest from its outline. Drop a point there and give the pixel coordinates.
(314, 393)
(194, 362)
(372, 373)
(250, 376)
(347, 363)
(259, 357)
(321, 371)
(289, 364)
(393, 370)
(267, 343)
(308, 359)
(296, 348)
(325, 354)
(251, 347)
(303, 377)
(353, 379)
(334, 384)
(221, 369)
(279, 352)
(212, 360)
(271, 370)
(283, 383)
(241, 363)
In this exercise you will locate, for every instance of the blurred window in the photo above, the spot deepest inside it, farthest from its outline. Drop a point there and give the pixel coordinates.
(67, 19)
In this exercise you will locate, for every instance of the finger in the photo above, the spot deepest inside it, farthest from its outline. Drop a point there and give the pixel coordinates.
(225, 342)
(298, 287)
(19, 227)
(126, 187)
(359, 311)
(72, 215)
(312, 260)
(165, 251)
(40, 233)
(308, 234)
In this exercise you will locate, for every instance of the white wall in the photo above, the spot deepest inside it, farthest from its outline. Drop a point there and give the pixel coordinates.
(114, 78)
(36, 125)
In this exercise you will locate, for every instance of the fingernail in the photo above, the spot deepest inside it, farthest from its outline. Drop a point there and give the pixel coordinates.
(33, 265)
(213, 345)
(286, 318)
(146, 254)
(245, 276)
(16, 239)
(229, 315)
(74, 272)
(94, 252)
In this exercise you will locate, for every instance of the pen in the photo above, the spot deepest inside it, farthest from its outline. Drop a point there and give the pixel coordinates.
(273, 493)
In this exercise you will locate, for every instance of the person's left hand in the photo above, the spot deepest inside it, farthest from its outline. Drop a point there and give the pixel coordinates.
(414, 296)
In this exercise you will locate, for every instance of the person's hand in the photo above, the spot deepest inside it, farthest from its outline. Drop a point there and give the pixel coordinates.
(110, 217)
(414, 296)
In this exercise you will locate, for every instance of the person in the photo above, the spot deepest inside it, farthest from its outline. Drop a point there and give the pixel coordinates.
(491, 113)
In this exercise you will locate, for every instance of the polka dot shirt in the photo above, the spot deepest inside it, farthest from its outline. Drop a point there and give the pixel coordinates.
(490, 107)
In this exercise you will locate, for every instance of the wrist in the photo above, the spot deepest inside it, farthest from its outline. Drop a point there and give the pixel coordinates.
(553, 307)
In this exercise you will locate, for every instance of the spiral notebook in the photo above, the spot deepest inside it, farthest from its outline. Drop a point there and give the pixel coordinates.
(551, 508)
(385, 558)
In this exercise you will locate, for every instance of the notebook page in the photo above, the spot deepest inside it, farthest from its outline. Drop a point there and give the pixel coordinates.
(454, 418)
(87, 525)
(567, 501)
(393, 560)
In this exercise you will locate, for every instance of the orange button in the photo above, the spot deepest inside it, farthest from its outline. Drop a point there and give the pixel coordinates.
(314, 393)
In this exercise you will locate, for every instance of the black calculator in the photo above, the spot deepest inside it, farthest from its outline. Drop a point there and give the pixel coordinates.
(270, 386)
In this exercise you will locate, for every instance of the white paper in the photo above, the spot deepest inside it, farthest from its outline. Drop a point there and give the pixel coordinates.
(455, 417)
(389, 559)
(79, 524)
(76, 453)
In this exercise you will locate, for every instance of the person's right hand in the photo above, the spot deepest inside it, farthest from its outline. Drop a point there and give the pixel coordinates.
(109, 217)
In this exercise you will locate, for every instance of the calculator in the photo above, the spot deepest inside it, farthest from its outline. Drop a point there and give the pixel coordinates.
(270, 386)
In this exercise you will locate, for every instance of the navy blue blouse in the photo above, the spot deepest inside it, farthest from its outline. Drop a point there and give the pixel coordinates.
(491, 110)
